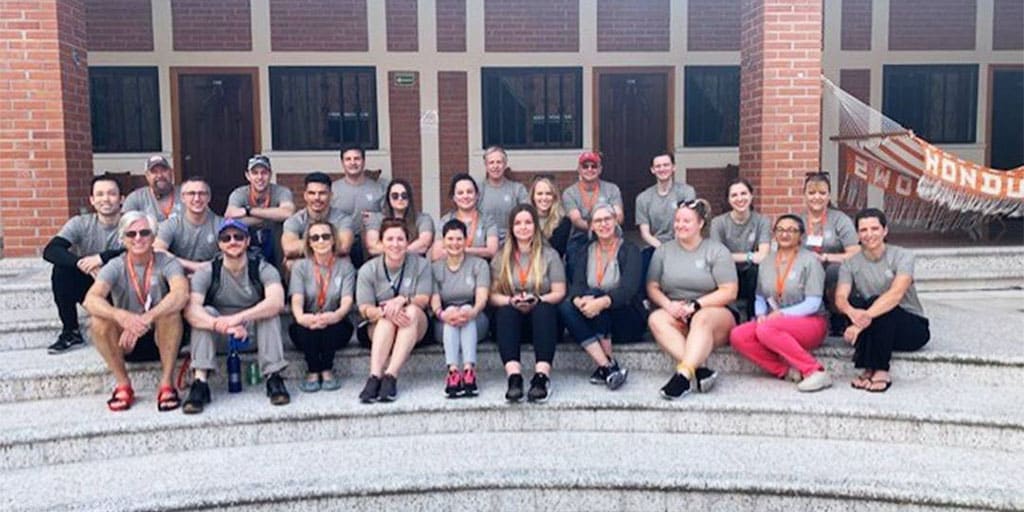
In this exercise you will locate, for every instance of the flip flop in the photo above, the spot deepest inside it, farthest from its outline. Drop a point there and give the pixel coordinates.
(863, 381)
(167, 399)
(122, 398)
(874, 382)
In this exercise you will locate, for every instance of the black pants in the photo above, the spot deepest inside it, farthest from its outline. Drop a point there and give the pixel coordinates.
(747, 274)
(69, 287)
(320, 345)
(895, 330)
(543, 323)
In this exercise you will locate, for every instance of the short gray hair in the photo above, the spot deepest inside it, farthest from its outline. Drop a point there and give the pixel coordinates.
(129, 218)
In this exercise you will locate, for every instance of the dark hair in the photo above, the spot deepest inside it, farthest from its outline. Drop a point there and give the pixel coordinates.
(104, 177)
(352, 147)
(317, 177)
(738, 181)
(792, 217)
(454, 224)
(461, 177)
(818, 177)
(411, 213)
(393, 222)
(671, 156)
(869, 213)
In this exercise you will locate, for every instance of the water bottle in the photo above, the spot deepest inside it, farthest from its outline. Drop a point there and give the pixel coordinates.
(234, 366)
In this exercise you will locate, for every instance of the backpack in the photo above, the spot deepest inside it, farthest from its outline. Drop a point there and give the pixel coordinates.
(253, 268)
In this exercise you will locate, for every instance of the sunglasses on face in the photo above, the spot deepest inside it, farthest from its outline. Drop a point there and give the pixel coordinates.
(787, 231)
(238, 237)
(317, 237)
(590, 166)
(399, 195)
(143, 233)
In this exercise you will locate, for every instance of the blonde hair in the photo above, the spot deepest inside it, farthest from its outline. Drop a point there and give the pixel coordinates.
(504, 283)
(702, 208)
(556, 213)
(134, 216)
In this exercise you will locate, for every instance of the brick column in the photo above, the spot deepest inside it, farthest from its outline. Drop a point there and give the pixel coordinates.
(406, 157)
(45, 137)
(453, 129)
(780, 99)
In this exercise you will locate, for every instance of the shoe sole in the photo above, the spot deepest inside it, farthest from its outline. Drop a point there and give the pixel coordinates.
(816, 389)
(55, 352)
(386, 399)
(513, 400)
(368, 400)
(667, 396)
(617, 379)
(453, 394)
(705, 385)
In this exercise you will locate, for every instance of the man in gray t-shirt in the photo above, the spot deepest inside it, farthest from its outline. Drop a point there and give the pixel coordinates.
(656, 206)
(499, 194)
(261, 205)
(579, 199)
(192, 237)
(357, 196)
(159, 198)
(239, 308)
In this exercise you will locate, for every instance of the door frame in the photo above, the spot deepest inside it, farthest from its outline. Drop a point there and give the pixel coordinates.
(992, 68)
(670, 103)
(177, 71)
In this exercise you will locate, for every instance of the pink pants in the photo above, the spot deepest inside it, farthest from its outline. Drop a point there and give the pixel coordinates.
(781, 343)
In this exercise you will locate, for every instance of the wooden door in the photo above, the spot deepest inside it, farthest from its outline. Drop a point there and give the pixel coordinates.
(633, 114)
(216, 132)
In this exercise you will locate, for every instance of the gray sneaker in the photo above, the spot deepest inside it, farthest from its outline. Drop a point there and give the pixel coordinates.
(616, 376)
(816, 381)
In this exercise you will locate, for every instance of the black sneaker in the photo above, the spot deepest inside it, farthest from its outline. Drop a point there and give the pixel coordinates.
(600, 375)
(68, 340)
(706, 378)
(276, 391)
(676, 387)
(388, 389)
(198, 396)
(616, 376)
(370, 390)
(539, 388)
(515, 388)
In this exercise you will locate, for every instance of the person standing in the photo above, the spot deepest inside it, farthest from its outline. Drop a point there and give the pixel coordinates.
(499, 193)
(159, 198)
(357, 196)
(261, 205)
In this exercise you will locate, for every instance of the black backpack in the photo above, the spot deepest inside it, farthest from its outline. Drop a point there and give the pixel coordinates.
(253, 267)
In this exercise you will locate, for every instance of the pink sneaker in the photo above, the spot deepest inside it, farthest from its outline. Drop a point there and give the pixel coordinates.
(469, 383)
(453, 383)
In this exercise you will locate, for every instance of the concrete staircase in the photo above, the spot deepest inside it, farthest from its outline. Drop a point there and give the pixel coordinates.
(948, 435)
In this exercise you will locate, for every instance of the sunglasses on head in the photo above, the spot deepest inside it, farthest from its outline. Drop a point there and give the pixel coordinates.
(238, 237)
(400, 195)
(695, 205)
(317, 237)
(144, 233)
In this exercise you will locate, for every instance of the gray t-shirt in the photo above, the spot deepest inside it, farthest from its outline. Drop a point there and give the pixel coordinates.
(239, 197)
(741, 238)
(805, 278)
(342, 283)
(485, 228)
(376, 283)
(142, 200)
(355, 199)
(123, 294)
(424, 223)
(659, 212)
(690, 275)
(497, 202)
(88, 236)
(610, 262)
(190, 241)
(459, 287)
(873, 278)
(235, 292)
(837, 234)
(297, 223)
(554, 272)
(573, 199)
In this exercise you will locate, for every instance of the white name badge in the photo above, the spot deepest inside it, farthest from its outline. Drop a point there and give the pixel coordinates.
(815, 240)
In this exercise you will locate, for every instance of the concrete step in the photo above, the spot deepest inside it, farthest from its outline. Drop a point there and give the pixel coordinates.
(39, 433)
(570, 470)
(969, 268)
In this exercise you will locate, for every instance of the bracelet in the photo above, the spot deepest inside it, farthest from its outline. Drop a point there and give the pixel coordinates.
(696, 305)
(248, 211)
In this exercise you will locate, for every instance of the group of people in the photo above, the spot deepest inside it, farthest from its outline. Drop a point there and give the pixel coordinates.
(519, 264)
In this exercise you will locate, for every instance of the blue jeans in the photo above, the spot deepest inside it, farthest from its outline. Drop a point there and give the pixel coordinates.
(624, 324)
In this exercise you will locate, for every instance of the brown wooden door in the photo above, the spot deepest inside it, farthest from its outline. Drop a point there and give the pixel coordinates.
(216, 132)
(633, 127)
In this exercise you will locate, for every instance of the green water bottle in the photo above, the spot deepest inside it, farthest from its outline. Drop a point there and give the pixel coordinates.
(252, 373)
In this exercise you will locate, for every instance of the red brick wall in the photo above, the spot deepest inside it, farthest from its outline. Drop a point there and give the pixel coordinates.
(119, 25)
(404, 104)
(531, 26)
(451, 25)
(1007, 33)
(453, 128)
(779, 86)
(628, 25)
(711, 183)
(318, 25)
(203, 25)
(45, 141)
(932, 24)
(713, 25)
(855, 33)
(402, 26)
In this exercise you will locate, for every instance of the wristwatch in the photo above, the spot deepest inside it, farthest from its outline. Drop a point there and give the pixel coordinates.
(248, 211)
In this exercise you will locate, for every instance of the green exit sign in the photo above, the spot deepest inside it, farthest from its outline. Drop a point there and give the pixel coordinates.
(405, 79)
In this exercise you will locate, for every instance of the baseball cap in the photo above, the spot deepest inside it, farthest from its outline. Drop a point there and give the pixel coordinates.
(590, 156)
(233, 223)
(259, 160)
(156, 160)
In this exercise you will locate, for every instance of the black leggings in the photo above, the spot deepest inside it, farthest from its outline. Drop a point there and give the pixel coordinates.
(320, 345)
(69, 287)
(543, 322)
(895, 330)
(747, 275)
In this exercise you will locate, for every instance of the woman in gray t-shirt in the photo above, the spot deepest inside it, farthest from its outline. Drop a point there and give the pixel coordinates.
(831, 236)
(692, 282)
(321, 289)
(885, 311)
(746, 234)
(482, 231)
(399, 203)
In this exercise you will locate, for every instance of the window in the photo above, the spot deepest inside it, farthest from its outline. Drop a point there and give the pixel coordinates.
(940, 103)
(323, 108)
(125, 107)
(712, 106)
(533, 108)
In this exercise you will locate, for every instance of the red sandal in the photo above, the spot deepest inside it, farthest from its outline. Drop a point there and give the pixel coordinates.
(122, 399)
(167, 399)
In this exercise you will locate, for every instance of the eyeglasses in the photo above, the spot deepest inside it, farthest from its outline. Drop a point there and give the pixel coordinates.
(195, 193)
(787, 231)
(400, 195)
(326, 237)
(238, 237)
(144, 233)
(602, 220)
(590, 165)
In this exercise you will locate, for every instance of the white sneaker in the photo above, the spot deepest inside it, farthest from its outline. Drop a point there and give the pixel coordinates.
(816, 381)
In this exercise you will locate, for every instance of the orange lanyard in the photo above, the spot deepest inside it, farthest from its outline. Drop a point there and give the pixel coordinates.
(141, 292)
(323, 283)
(589, 197)
(524, 273)
(254, 199)
(170, 205)
(601, 264)
(780, 278)
(471, 231)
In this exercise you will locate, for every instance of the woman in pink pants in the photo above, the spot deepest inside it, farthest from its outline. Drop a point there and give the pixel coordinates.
(790, 316)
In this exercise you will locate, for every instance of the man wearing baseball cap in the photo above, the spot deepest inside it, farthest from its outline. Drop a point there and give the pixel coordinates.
(582, 196)
(261, 205)
(160, 198)
(238, 296)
